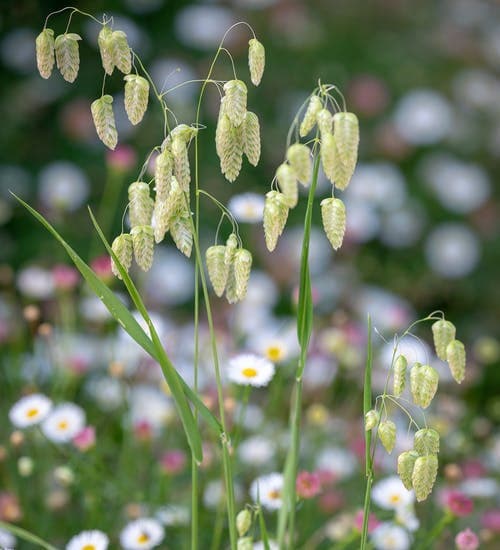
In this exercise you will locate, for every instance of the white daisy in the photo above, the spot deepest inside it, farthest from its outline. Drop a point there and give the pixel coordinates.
(277, 344)
(63, 423)
(247, 207)
(142, 534)
(338, 461)
(391, 494)
(388, 536)
(30, 410)
(267, 490)
(88, 540)
(7, 540)
(250, 370)
(256, 451)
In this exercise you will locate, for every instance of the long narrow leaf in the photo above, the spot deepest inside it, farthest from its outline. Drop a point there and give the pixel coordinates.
(26, 535)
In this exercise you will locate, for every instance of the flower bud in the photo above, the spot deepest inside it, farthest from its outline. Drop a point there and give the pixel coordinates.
(243, 522)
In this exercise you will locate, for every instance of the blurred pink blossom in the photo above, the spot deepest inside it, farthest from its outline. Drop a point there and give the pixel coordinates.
(331, 501)
(85, 439)
(102, 267)
(65, 277)
(172, 462)
(373, 522)
(308, 484)
(459, 504)
(467, 540)
(122, 159)
(491, 520)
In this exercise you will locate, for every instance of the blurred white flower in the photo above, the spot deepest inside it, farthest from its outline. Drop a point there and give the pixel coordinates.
(30, 410)
(96, 540)
(17, 50)
(277, 343)
(480, 487)
(215, 493)
(204, 26)
(423, 117)
(173, 514)
(7, 540)
(142, 534)
(452, 250)
(320, 372)
(267, 490)
(390, 494)
(150, 406)
(35, 282)
(491, 45)
(403, 228)
(405, 516)
(256, 451)
(271, 544)
(338, 461)
(320, 250)
(250, 370)
(93, 310)
(388, 311)
(15, 179)
(63, 423)
(109, 393)
(168, 73)
(388, 536)
(363, 221)
(63, 186)
(478, 89)
(415, 351)
(247, 207)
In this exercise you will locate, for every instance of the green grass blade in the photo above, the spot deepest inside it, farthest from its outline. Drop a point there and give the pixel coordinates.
(26, 535)
(263, 530)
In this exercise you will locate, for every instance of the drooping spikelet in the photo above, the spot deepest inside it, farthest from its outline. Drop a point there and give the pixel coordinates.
(275, 216)
(164, 165)
(424, 475)
(222, 129)
(236, 101)
(399, 380)
(287, 180)
(251, 138)
(104, 120)
(122, 55)
(424, 381)
(346, 132)
(136, 97)
(325, 121)
(231, 149)
(334, 220)
(218, 270)
(231, 295)
(371, 419)
(387, 434)
(68, 55)
(299, 157)
(143, 242)
(426, 442)
(406, 464)
(456, 357)
(443, 333)
(243, 522)
(180, 229)
(45, 55)
(105, 42)
(161, 218)
(230, 249)
(122, 247)
(256, 60)
(184, 132)
(328, 155)
(181, 163)
(309, 119)
(242, 265)
(140, 204)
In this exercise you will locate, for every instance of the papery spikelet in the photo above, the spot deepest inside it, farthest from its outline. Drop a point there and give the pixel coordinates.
(371, 419)
(341, 173)
(230, 249)
(161, 218)
(222, 130)
(243, 522)
(45, 55)
(231, 156)
(299, 157)
(68, 55)
(443, 333)
(334, 220)
(424, 476)
(105, 42)
(256, 60)
(236, 101)
(426, 442)
(251, 138)
(140, 204)
(309, 120)
(122, 56)
(328, 155)
(406, 463)
(387, 434)
(184, 132)
(399, 380)
(136, 97)
(144, 243)
(324, 120)
(218, 270)
(104, 120)
(287, 180)
(346, 132)
(242, 264)
(456, 357)
(164, 165)
(231, 294)
(181, 163)
(424, 381)
(123, 248)
(180, 229)
(275, 216)
(245, 543)
(176, 201)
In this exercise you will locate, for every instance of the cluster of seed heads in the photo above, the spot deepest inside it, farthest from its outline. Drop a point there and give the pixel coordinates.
(229, 269)
(418, 467)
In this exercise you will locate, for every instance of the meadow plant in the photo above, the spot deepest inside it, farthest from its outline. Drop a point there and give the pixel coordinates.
(322, 134)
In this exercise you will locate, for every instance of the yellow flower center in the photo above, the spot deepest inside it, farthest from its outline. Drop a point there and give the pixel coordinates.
(63, 425)
(274, 494)
(143, 537)
(395, 498)
(31, 413)
(89, 547)
(249, 372)
(274, 353)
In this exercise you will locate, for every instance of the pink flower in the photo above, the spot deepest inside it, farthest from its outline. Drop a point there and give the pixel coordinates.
(331, 501)
(143, 430)
(85, 439)
(326, 477)
(373, 522)
(122, 159)
(308, 484)
(65, 277)
(459, 504)
(467, 540)
(102, 267)
(491, 520)
(173, 462)
(473, 468)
